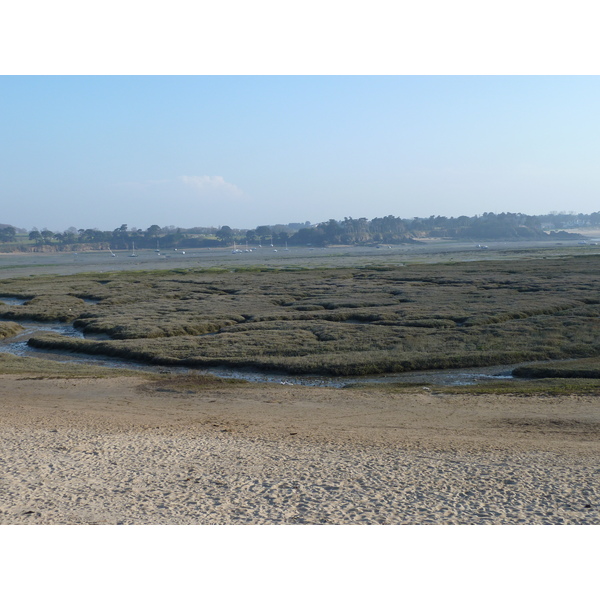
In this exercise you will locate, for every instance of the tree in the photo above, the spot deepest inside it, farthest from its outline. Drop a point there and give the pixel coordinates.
(333, 231)
(225, 234)
(173, 238)
(88, 236)
(281, 238)
(69, 236)
(120, 237)
(263, 232)
(309, 236)
(8, 234)
(153, 231)
(47, 235)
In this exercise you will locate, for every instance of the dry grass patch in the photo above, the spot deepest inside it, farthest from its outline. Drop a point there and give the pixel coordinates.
(8, 329)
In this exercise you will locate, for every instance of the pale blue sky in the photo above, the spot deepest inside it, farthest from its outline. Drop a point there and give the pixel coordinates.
(244, 151)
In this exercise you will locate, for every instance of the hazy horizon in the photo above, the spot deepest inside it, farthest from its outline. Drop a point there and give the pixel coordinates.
(243, 151)
(294, 223)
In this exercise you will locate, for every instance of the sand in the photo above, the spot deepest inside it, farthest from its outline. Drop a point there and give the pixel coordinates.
(118, 451)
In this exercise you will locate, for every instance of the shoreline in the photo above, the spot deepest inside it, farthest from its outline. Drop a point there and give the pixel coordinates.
(122, 450)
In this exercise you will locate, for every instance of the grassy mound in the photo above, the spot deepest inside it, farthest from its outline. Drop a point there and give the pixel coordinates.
(8, 329)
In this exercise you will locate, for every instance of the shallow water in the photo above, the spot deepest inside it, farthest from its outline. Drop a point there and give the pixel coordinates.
(12, 300)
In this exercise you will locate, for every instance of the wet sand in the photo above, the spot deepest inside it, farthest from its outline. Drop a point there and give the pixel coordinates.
(121, 451)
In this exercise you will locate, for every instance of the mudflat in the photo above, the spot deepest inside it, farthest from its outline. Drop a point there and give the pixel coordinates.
(129, 450)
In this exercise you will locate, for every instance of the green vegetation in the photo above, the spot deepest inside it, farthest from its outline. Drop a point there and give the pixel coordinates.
(586, 368)
(8, 329)
(51, 369)
(8, 234)
(331, 321)
(188, 384)
(545, 387)
(512, 387)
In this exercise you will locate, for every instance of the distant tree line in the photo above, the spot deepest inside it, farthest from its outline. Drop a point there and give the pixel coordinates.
(396, 230)
(121, 238)
(349, 231)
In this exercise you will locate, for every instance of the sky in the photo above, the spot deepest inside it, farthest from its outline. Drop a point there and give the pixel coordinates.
(243, 151)
(259, 114)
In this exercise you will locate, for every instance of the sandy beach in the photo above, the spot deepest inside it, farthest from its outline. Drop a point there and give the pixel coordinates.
(123, 451)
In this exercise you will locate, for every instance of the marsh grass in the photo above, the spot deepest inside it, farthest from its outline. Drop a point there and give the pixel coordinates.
(334, 321)
(45, 307)
(191, 383)
(543, 387)
(8, 329)
(50, 369)
(587, 368)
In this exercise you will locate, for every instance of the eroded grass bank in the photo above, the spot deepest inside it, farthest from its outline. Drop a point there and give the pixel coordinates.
(351, 321)
(8, 329)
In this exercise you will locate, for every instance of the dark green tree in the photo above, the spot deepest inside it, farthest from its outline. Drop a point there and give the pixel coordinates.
(153, 232)
(225, 234)
(264, 233)
(35, 236)
(8, 234)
